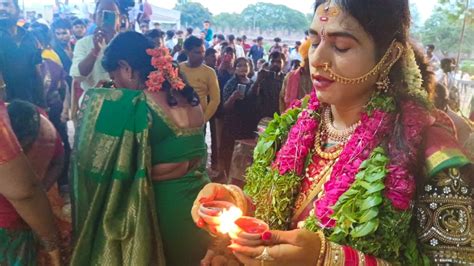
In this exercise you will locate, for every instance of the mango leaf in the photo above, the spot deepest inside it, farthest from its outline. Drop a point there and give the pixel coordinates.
(375, 176)
(374, 188)
(370, 202)
(365, 228)
(368, 215)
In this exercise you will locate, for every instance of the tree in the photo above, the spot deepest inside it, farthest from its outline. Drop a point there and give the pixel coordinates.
(193, 14)
(460, 10)
(230, 21)
(416, 24)
(443, 29)
(266, 16)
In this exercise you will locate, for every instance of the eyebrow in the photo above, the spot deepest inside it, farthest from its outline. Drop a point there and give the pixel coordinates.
(344, 34)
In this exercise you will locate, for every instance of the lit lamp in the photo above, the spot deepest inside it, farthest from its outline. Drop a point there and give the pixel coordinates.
(228, 219)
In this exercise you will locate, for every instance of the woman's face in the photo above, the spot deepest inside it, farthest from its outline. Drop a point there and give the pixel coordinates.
(339, 40)
(242, 68)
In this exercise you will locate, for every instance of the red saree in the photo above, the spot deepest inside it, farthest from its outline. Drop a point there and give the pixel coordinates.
(46, 149)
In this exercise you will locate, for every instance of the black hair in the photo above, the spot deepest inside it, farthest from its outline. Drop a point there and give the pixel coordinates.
(441, 96)
(229, 50)
(61, 24)
(207, 21)
(25, 121)
(446, 63)
(259, 38)
(231, 37)
(277, 39)
(221, 37)
(79, 22)
(431, 46)
(189, 30)
(182, 57)
(210, 51)
(238, 39)
(385, 21)
(276, 55)
(295, 63)
(298, 43)
(238, 60)
(179, 32)
(224, 45)
(130, 47)
(192, 42)
(169, 34)
(42, 34)
(244, 37)
(154, 34)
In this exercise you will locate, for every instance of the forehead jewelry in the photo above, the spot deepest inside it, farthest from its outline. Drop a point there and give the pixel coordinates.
(324, 15)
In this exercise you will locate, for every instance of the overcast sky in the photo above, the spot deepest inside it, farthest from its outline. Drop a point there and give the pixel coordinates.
(218, 6)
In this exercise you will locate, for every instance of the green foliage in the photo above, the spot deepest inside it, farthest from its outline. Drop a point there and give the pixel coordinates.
(272, 193)
(444, 27)
(357, 210)
(368, 222)
(416, 25)
(264, 16)
(231, 21)
(467, 66)
(193, 14)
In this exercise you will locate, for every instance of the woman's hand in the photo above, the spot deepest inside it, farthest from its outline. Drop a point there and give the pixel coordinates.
(296, 247)
(214, 258)
(55, 257)
(210, 192)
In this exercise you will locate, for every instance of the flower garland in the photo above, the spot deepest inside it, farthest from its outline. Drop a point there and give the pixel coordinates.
(353, 210)
(163, 62)
(291, 156)
(364, 140)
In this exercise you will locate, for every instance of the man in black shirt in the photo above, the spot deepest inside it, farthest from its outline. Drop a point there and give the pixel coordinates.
(20, 58)
(268, 86)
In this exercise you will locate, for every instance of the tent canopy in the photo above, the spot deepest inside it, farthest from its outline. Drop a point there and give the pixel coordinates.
(166, 16)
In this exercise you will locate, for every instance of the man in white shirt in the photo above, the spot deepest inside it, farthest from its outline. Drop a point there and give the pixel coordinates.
(86, 63)
(170, 42)
(239, 50)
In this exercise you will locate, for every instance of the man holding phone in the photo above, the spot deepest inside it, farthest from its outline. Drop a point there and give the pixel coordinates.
(268, 86)
(86, 63)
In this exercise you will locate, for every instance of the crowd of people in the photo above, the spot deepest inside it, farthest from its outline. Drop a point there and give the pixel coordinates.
(363, 159)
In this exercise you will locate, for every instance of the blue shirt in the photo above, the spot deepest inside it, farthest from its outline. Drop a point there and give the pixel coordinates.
(209, 35)
(256, 52)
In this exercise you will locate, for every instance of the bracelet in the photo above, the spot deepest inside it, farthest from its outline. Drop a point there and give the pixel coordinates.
(49, 245)
(334, 255)
(322, 250)
(238, 196)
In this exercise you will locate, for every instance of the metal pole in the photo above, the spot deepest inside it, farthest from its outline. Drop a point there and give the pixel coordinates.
(461, 39)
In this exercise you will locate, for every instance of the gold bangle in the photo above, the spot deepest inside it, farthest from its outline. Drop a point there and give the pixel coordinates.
(238, 196)
(322, 249)
(49, 245)
(334, 255)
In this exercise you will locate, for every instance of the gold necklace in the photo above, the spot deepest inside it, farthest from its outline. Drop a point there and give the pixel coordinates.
(323, 154)
(332, 132)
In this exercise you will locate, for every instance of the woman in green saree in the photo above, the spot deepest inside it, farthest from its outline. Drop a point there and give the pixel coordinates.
(138, 163)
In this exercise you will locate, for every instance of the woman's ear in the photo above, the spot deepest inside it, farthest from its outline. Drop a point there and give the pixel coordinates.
(126, 69)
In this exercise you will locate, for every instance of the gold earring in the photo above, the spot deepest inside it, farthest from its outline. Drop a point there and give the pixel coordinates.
(383, 84)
